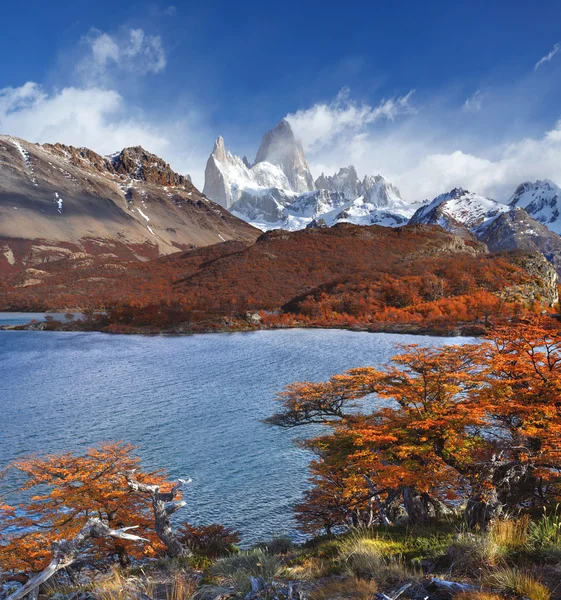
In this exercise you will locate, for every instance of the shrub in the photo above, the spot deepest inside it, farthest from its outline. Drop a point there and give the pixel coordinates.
(518, 583)
(278, 545)
(212, 540)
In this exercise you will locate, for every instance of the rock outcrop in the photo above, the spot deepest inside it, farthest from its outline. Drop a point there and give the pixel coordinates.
(281, 148)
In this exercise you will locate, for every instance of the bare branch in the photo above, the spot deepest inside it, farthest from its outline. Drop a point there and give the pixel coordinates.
(65, 552)
(163, 506)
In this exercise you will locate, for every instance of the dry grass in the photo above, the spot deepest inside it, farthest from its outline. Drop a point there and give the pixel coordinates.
(367, 557)
(510, 535)
(181, 588)
(119, 587)
(518, 583)
(174, 586)
(309, 568)
(353, 588)
(236, 569)
(471, 553)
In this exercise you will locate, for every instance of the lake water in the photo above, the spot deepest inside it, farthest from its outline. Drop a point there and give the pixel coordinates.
(16, 318)
(193, 404)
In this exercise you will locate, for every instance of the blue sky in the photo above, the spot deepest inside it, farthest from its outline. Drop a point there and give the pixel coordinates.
(429, 94)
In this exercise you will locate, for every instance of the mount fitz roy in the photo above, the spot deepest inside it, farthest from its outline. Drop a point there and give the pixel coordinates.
(278, 190)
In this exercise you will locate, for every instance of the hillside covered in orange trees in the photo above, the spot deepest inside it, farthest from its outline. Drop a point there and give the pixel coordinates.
(415, 277)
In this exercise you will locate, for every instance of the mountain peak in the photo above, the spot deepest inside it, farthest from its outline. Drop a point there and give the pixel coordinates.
(219, 150)
(542, 200)
(280, 147)
(142, 165)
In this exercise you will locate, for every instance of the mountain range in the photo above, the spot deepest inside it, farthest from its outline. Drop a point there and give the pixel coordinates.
(62, 202)
(278, 191)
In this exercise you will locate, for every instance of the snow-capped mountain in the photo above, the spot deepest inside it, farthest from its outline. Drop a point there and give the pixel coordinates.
(278, 190)
(517, 230)
(459, 210)
(540, 199)
(280, 147)
(374, 189)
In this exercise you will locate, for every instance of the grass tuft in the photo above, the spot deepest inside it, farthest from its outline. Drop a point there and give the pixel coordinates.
(238, 568)
(352, 588)
(518, 583)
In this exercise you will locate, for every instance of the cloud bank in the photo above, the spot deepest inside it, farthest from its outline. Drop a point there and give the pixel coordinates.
(425, 142)
(429, 147)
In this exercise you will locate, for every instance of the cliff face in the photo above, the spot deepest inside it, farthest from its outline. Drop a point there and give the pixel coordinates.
(544, 280)
(281, 148)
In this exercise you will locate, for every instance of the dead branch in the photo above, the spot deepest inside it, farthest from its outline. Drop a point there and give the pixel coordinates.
(65, 552)
(163, 506)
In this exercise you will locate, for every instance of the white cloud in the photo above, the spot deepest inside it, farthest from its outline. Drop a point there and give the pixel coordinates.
(548, 56)
(108, 56)
(100, 119)
(475, 102)
(319, 125)
(83, 117)
(430, 150)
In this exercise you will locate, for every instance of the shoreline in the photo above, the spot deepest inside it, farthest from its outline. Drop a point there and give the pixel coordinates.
(461, 330)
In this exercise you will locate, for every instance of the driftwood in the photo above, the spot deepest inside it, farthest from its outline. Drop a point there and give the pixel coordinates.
(453, 586)
(394, 596)
(270, 591)
(65, 552)
(164, 506)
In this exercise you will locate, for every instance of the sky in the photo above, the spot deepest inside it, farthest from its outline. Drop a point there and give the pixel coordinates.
(432, 95)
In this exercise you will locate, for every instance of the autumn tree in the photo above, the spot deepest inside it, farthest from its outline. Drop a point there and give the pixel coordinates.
(64, 492)
(476, 424)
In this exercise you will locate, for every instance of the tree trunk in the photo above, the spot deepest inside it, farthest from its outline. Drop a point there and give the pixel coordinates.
(163, 506)
(500, 486)
(65, 552)
(416, 506)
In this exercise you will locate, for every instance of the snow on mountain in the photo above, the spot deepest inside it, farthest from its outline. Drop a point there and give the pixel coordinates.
(345, 181)
(227, 176)
(459, 209)
(278, 191)
(281, 148)
(541, 200)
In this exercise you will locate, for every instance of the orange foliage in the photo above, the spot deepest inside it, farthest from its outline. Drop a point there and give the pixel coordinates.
(476, 423)
(346, 276)
(64, 492)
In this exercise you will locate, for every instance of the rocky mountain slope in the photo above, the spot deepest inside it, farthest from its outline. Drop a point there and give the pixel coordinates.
(499, 226)
(516, 230)
(541, 200)
(58, 201)
(458, 210)
(277, 191)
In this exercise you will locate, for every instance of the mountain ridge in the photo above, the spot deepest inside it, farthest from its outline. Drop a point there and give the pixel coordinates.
(58, 200)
